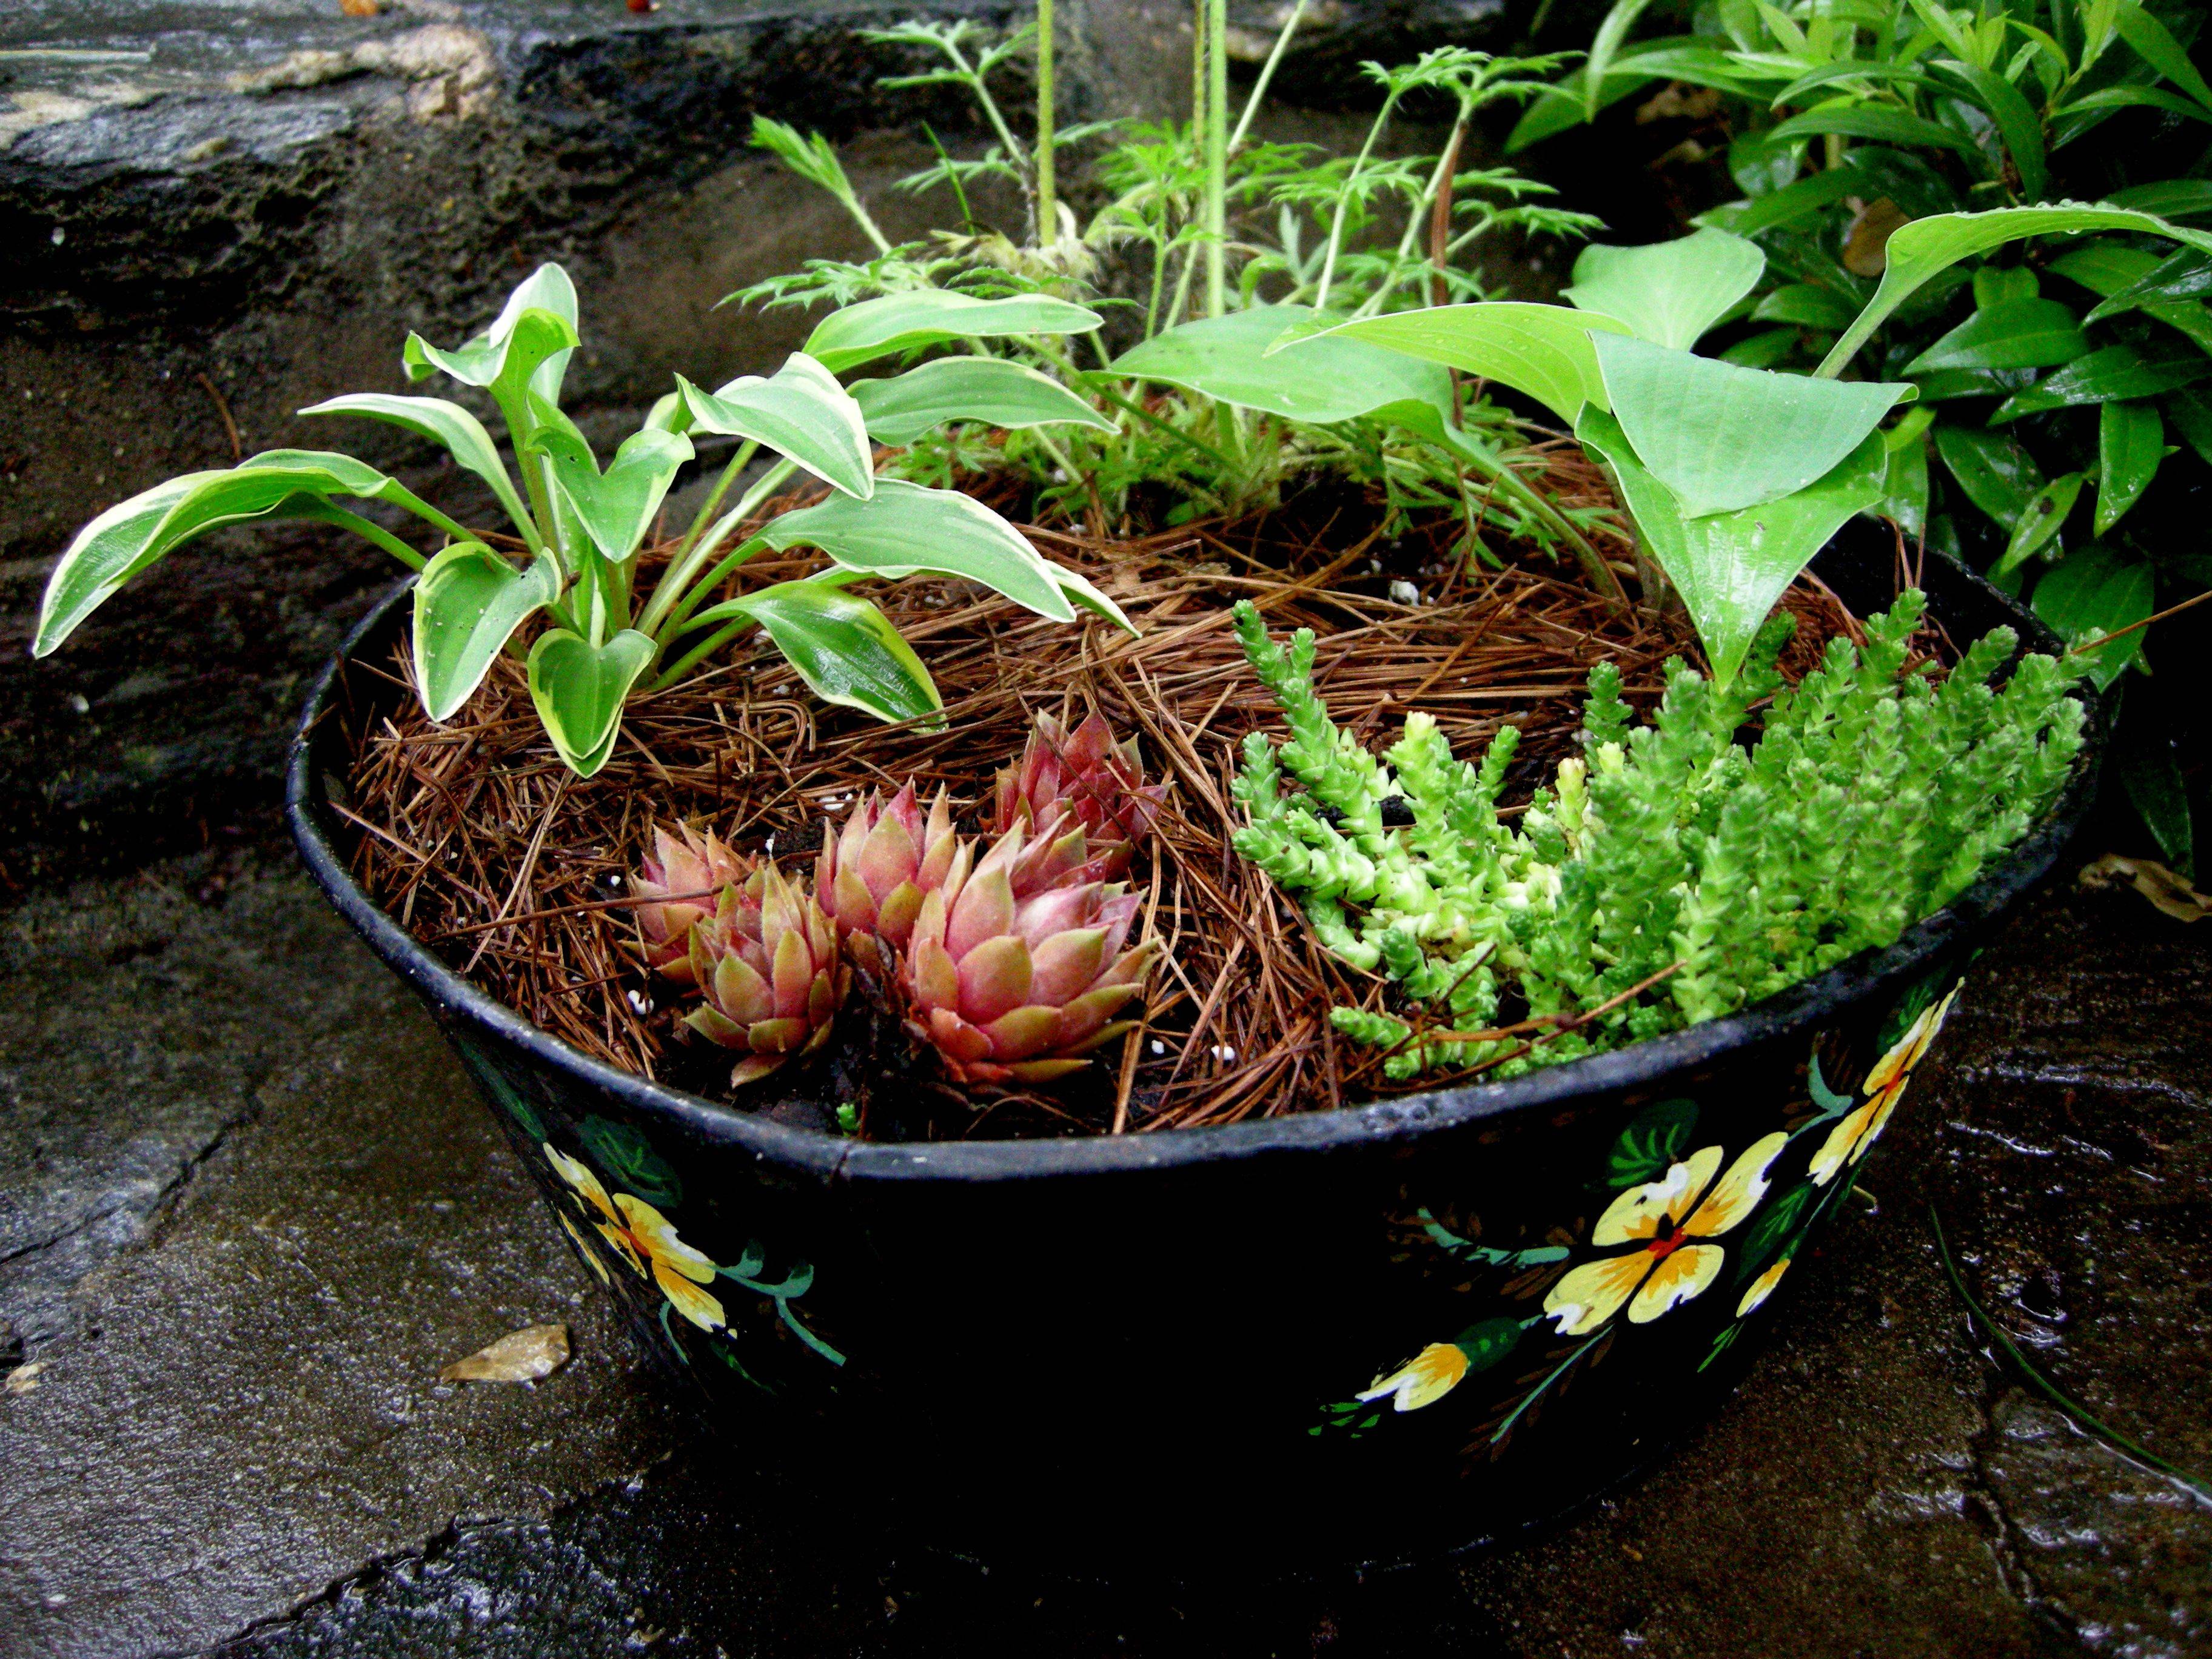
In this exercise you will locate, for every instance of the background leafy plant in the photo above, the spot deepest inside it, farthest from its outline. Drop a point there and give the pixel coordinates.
(2064, 431)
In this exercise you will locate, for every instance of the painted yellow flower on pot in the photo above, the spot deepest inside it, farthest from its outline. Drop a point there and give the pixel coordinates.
(641, 1237)
(1858, 1130)
(1762, 1287)
(1425, 1378)
(1671, 1222)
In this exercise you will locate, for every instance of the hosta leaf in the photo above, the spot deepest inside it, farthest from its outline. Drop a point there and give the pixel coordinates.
(2131, 444)
(842, 647)
(900, 322)
(526, 348)
(2010, 334)
(1731, 568)
(133, 534)
(468, 603)
(615, 507)
(447, 423)
(1722, 438)
(1926, 246)
(104, 555)
(905, 528)
(800, 412)
(1321, 377)
(1541, 351)
(2116, 372)
(990, 390)
(579, 689)
(2094, 591)
(1998, 475)
(1668, 293)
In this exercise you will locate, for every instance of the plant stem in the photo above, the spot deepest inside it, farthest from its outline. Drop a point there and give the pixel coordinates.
(738, 461)
(682, 621)
(325, 514)
(671, 587)
(700, 653)
(1266, 74)
(1048, 208)
(1336, 221)
(1217, 156)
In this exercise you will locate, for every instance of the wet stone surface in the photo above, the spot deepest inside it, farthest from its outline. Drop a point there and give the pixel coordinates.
(248, 1208)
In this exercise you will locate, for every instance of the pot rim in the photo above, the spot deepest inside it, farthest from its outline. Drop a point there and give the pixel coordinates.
(1395, 1121)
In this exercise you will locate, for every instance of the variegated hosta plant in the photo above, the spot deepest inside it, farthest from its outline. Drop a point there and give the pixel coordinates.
(566, 587)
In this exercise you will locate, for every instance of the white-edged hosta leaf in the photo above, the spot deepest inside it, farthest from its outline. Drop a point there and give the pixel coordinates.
(133, 534)
(580, 689)
(615, 507)
(1324, 376)
(899, 408)
(447, 423)
(1084, 595)
(106, 554)
(1668, 293)
(1731, 568)
(526, 348)
(468, 603)
(900, 322)
(842, 646)
(800, 412)
(1723, 438)
(1927, 247)
(1542, 350)
(905, 528)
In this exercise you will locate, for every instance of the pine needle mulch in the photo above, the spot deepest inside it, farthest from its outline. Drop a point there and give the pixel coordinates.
(489, 852)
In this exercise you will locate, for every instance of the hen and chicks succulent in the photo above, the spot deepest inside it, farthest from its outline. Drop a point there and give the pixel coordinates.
(1008, 960)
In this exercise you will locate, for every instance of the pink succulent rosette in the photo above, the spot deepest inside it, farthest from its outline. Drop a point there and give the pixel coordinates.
(685, 861)
(766, 963)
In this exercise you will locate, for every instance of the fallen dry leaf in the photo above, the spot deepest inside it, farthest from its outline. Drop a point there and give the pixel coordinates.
(1866, 244)
(23, 1378)
(2153, 881)
(359, 8)
(534, 1351)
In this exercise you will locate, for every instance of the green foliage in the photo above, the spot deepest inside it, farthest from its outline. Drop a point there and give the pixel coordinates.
(2086, 351)
(582, 525)
(1667, 875)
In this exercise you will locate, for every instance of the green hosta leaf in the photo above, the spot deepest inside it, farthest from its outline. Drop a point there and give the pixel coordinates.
(1541, 351)
(134, 534)
(2040, 522)
(2010, 334)
(2097, 591)
(1720, 438)
(2131, 444)
(468, 603)
(989, 390)
(463, 435)
(800, 412)
(2116, 372)
(579, 689)
(1807, 305)
(526, 350)
(1669, 293)
(106, 554)
(842, 647)
(1998, 475)
(1920, 250)
(1730, 568)
(616, 508)
(1319, 377)
(905, 528)
(900, 322)
(1874, 122)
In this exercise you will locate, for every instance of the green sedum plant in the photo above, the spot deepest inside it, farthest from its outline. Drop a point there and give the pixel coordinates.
(568, 588)
(1667, 875)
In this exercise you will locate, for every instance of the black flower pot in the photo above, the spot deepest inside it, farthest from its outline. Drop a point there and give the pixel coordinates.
(1368, 1334)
